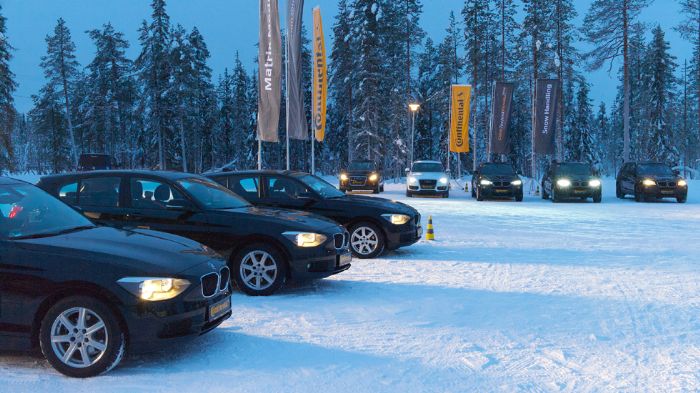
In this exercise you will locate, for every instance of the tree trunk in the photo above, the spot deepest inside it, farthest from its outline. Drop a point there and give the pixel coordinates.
(69, 119)
(626, 77)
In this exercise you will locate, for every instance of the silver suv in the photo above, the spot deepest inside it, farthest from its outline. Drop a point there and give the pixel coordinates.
(427, 178)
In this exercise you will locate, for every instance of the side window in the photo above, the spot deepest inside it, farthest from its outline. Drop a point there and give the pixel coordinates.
(247, 187)
(152, 194)
(99, 192)
(281, 188)
(68, 193)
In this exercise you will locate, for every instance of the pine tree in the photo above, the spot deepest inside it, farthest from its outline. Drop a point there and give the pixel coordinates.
(341, 86)
(203, 100)
(585, 138)
(61, 70)
(7, 88)
(690, 30)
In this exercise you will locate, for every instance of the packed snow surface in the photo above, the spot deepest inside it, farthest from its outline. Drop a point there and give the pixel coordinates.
(512, 297)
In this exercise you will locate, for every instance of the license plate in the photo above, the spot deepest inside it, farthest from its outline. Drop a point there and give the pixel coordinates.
(419, 232)
(579, 191)
(667, 192)
(501, 191)
(345, 260)
(220, 308)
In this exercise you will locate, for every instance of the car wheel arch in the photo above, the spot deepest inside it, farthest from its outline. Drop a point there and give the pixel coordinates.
(370, 220)
(250, 239)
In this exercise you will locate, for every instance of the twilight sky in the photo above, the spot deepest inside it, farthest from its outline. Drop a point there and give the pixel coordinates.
(229, 26)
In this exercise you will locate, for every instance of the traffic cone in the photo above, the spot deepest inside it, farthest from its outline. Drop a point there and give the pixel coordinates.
(430, 235)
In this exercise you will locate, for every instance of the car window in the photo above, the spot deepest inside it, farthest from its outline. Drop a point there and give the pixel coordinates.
(99, 192)
(212, 195)
(68, 193)
(247, 187)
(282, 188)
(152, 194)
(498, 169)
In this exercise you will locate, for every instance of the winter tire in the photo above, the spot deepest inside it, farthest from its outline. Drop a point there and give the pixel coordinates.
(597, 198)
(366, 240)
(519, 197)
(479, 196)
(259, 269)
(682, 199)
(618, 191)
(81, 337)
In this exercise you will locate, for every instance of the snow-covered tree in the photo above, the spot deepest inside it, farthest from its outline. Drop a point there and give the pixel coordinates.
(7, 88)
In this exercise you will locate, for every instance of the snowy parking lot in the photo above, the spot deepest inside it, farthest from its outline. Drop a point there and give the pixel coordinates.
(511, 297)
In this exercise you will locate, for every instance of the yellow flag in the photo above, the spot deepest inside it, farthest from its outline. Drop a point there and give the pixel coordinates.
(320, 78)
(459, 118)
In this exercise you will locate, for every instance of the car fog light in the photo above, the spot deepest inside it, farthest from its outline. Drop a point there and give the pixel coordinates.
(594, 183)
(563, 183)
(648, 182)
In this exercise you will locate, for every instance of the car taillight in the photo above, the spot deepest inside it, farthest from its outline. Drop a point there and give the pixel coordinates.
(16, 209)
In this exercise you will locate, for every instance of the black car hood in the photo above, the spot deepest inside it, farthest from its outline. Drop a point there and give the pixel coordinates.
(385, 205)
(146, 253)
(294, 219)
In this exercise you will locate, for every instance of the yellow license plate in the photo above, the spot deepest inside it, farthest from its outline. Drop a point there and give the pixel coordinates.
(220, 308)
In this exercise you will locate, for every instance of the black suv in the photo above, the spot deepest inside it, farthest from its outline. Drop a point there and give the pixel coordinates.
(496, 180)
(86, 295)
(566, 180)
(362, 175)
(647, 180)
(264, 247)
(374, 223)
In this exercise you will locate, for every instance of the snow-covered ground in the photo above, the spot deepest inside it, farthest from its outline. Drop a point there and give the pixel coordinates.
(531, 297)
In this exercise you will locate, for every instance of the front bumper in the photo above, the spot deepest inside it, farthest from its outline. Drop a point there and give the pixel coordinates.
(364, 185)
(578, 192)
(508, 191)
(398, 236)
(320, 262)
(664, 192)
(428, 188)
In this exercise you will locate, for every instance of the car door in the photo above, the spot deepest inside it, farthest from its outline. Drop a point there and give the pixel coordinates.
(98, 197)
(161, 205)
(247, 187)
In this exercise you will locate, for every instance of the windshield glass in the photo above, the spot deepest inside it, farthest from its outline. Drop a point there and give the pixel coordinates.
(26, 211)
(427, 167)
(498, 169)
(211, 195)
(654, 170)
(323, 188)
(574, 169)
(361, 166)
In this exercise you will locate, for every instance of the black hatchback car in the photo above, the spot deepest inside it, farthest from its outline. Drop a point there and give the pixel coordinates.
(650, 180)
(361, 175)
(375, 224)
(84, 293)
(567, 180)
(496, 180)
(264, 247)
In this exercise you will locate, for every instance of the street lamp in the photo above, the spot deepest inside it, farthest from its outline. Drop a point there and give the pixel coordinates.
(414, 107)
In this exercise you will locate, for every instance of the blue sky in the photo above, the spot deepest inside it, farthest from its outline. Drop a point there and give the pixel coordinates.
(229, 26)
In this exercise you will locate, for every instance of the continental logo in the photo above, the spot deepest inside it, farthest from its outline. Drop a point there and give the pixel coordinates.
(459, 140)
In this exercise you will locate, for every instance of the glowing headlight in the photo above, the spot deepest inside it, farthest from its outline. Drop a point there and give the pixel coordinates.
(305, 239)
(412, 180)
(154, 289)
(343, 177)
(682, 183)
(648, 182)
(517, 182)
(397, 219)
(443, 180)
(485, 182)
(373, 177)
(564, 183)
(594, 183)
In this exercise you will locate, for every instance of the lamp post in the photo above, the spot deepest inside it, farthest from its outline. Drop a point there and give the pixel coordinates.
(414, 109)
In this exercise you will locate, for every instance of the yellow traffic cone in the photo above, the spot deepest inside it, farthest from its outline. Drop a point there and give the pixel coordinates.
(430, 235)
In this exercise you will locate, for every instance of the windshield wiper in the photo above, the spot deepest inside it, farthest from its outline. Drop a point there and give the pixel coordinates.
(50, 234)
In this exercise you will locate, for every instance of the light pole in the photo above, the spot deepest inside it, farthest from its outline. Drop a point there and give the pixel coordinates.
(414, 109)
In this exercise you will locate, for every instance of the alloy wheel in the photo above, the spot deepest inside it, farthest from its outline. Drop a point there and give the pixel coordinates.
(364, 240)
(258, 270)
(79, 337)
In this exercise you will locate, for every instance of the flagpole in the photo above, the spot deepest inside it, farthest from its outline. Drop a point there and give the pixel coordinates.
(313, 155)
(259, 153)
(286, 84)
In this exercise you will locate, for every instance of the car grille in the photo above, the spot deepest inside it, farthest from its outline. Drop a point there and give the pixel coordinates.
(428, 184)
(210, 284)
(501, 184)
(225, 274)
(358, 180)
(666, 184)
(579, 184)
(341, 240)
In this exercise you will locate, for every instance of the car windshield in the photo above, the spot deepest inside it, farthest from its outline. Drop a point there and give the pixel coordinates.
(427, 167)
(28, 212)
(497, 169)
(361, 166)
(654, 170)
(323, 188)
(211, 195)
(574, 169)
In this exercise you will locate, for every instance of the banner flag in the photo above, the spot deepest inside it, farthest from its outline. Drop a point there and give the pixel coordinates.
(459, 118)
(500, 117)
(320, 78)
(546, 110)
(269, 71)
(297, 126)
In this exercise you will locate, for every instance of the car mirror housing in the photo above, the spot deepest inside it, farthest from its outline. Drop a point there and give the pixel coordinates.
(407, 170)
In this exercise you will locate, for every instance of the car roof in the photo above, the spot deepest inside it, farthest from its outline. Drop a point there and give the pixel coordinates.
(122, 172)
(4, 180)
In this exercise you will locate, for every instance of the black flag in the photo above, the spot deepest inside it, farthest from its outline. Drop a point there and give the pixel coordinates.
(298, 128)
(546, 110)
(269, 71)
(500, 117)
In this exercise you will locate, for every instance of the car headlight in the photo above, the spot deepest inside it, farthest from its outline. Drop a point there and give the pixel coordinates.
(397, 219)
(564, 183)
(594, 183)
(443, 180)
(154, 289)
(373, 177)
(682, 183)
(305, 239)
(517, 182)
(485, 182)
(343, 177)
(412, 180)
(648, 182)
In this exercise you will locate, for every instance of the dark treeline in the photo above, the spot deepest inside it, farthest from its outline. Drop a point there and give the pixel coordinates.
(165, 109)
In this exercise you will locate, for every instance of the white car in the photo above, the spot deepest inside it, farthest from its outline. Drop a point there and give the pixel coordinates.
(427, 178)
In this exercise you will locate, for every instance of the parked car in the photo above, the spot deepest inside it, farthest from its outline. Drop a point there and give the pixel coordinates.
(566, 180)
(650, 180)
(93, 161)
(496, 180)
(362, 175)
(375, 224)
(427, 178)
(264, 247)
(86, 294)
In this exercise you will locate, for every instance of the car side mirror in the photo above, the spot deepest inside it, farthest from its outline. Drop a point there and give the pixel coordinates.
(406, 170)
(180, 204)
